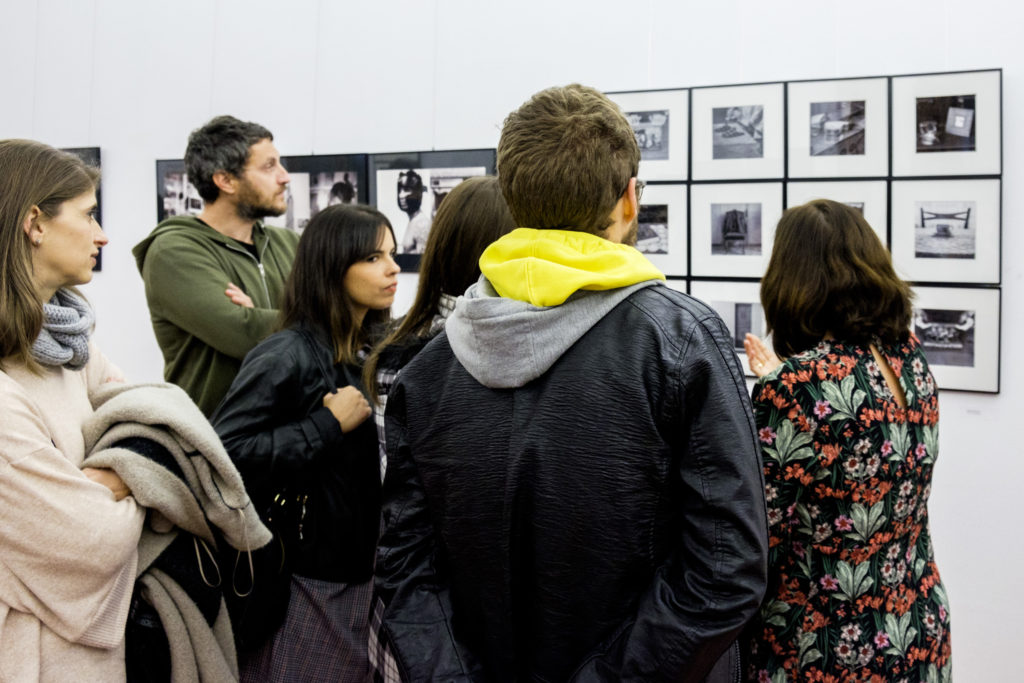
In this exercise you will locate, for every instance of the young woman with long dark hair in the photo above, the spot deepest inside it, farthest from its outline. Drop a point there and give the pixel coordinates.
(295, 422)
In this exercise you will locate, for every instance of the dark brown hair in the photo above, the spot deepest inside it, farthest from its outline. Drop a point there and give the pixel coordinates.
(221, 144)
(564, 159)
(314, 297)
(473, 215)
(829, 274)
(31, 174)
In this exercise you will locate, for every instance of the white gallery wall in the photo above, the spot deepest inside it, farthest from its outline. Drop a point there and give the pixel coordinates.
(133, 77)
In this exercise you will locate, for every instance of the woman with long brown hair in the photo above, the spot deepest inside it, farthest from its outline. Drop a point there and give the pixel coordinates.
(295, 423)
(68, 536)
(848, 424)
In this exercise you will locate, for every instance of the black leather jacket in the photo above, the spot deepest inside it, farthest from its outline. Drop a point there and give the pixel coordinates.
(603, 522)
(274, 425)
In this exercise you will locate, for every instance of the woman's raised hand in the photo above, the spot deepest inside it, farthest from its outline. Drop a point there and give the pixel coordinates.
(762, 359)
(349, 407)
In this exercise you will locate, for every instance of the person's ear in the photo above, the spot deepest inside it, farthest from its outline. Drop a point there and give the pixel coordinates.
(225, 182)
(32, 226)
(631, 207)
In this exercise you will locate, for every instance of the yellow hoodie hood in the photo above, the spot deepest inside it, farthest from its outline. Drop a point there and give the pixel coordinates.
(544, 267)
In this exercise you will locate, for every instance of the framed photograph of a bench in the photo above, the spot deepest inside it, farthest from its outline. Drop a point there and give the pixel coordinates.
(947, 230)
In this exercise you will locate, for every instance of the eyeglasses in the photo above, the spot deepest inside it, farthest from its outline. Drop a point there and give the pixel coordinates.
(640, 185)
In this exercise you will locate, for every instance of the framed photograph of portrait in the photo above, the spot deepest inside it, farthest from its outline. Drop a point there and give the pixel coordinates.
(959, 332)
(838, 128)
(409, 187)
(175, 195)
(947, 124)
(947, 230)
(870, 197)
(737, 132)
(319, 181)
(661, 228)
(91, 156)
(732, 227)
(739, 305)
(660, 121)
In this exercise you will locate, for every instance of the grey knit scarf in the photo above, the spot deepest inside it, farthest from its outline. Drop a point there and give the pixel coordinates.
(64, 339)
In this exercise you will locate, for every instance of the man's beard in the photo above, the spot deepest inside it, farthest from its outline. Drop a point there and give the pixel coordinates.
(252, 207)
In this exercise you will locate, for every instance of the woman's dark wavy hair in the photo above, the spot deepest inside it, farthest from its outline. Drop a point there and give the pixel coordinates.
(473, 215)
(829, 274)
(314, 297)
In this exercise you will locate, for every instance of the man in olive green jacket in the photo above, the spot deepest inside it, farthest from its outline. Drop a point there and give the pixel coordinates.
(214, 282)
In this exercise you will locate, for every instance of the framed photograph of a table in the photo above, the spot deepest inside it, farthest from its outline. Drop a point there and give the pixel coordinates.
(947, 230)
(838, 128)
(661, 229)
(409, 187)
(319, 181)
(739, 305)
(732, 225)
(91, 156)
(660, 122)
(175, 195)
(870, 197)
(737, 132)
(947, 124)
(959, 332)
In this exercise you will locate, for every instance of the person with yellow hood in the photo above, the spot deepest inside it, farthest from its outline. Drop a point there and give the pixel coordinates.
(574, 489)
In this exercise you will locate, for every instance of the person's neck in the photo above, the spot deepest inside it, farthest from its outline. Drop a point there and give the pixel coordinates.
(223, 217)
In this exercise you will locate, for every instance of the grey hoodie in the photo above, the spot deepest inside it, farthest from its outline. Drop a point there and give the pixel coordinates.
(505, 343)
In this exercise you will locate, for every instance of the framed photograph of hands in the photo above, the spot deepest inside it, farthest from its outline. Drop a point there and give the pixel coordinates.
(870, 197)
(661, 229)
(731, 228)
(738, 132)
(739, 305)
(839, 128)
(947, 230)
(959, 332)
(660, 122)
(409, 187)
(947, 124)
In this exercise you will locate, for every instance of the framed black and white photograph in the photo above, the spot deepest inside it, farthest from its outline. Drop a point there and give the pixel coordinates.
(679, 285)
(739, 305)
(959, 332)
(175, 195)
(732, 227)
(839, 128)
(409, 187)
(319, 181)
(738, 132)
(660, 119)
(91, 156)
(870, 197)
(661, 229)
(947, 124)
(947, 230)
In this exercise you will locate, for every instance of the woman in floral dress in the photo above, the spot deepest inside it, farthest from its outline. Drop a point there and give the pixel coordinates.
(848, 424)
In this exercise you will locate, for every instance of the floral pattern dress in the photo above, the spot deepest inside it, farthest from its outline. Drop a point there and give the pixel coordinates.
(853, 591)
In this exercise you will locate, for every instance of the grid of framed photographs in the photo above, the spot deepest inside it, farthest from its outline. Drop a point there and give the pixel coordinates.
(919, 155)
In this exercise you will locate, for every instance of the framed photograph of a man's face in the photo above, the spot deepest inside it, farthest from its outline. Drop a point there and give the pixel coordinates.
(959, 331)
(732, 227)
(175, 195)
(947, 124)
(409, 187)
(661, 227)
(739, 305)
(947, 230)
(737, 132)
(91, 156)
(869, 197)
(660, 120)
(319, 181)
(839, 128)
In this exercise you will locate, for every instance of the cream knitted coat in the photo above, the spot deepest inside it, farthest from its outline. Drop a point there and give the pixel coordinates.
(68, 551)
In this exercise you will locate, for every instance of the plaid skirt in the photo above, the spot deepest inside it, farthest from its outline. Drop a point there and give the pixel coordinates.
(323, 637)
